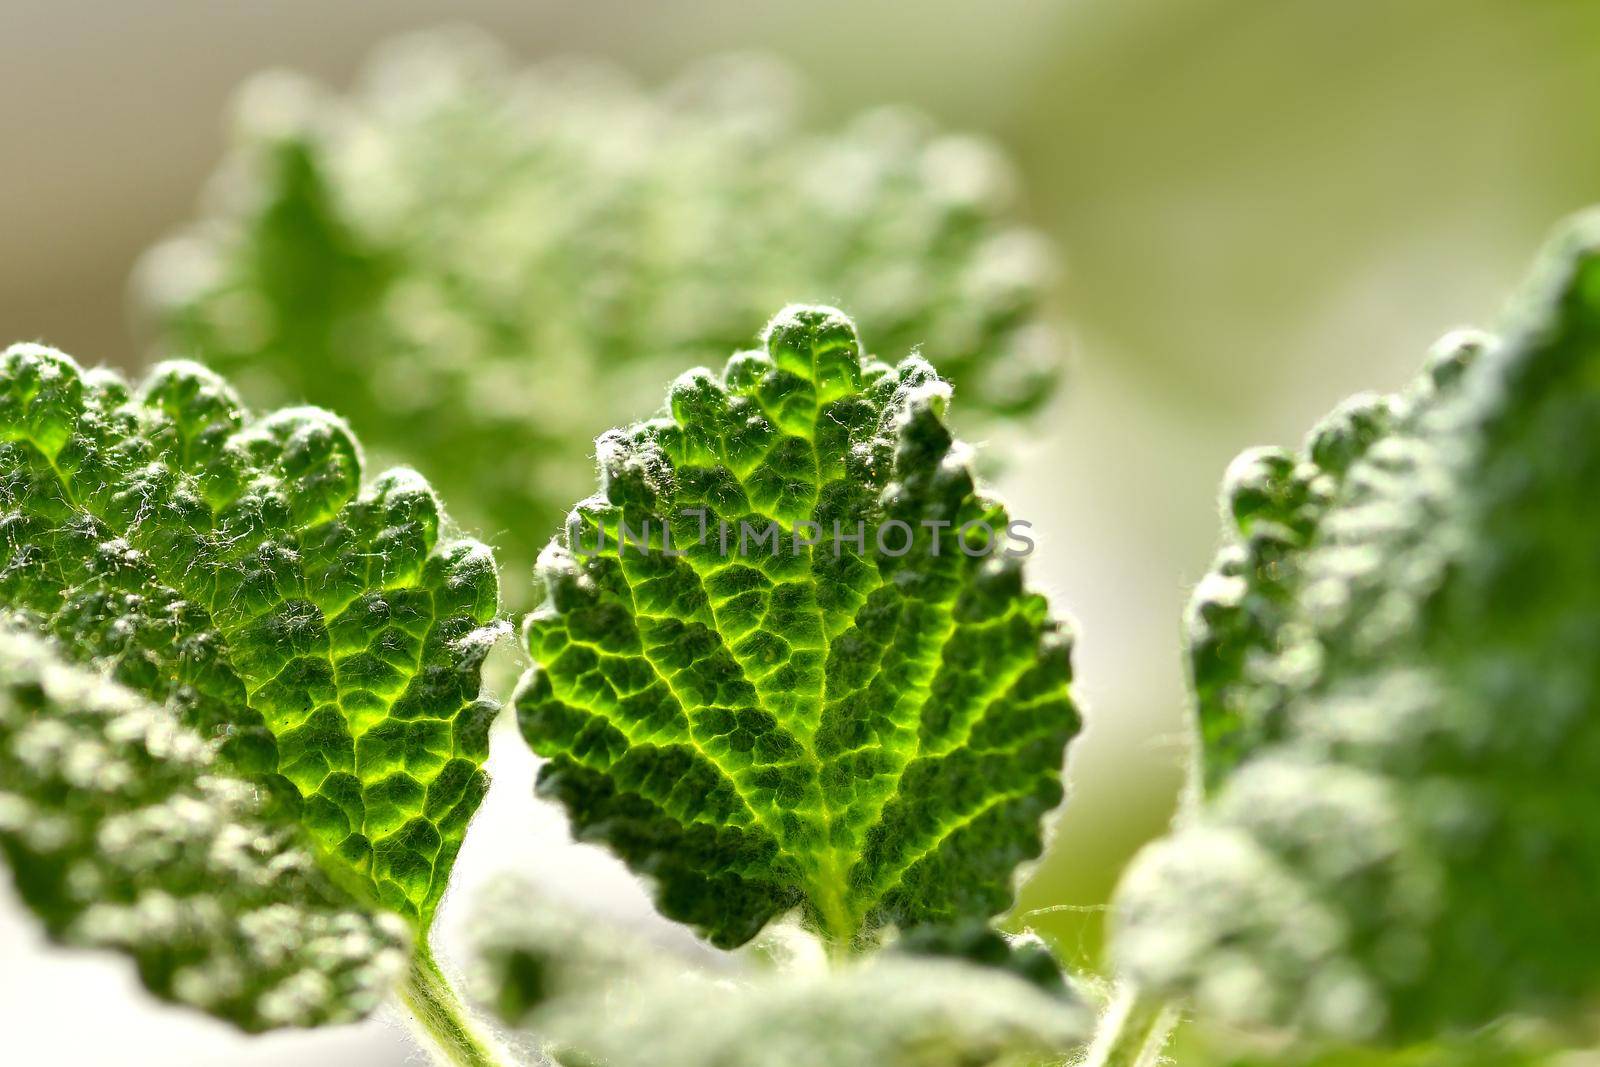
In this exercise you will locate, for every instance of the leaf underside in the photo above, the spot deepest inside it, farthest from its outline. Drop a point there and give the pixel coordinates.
(461, 236)
(891, 1011)
(546, 974)
(234, 569)
(123, 831)
(870, 737)
(1395, 665)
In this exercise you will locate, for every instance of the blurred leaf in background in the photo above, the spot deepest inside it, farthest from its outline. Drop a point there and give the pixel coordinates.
(1394, 663)
(591, 993)
(486, 267)
(1268, 206)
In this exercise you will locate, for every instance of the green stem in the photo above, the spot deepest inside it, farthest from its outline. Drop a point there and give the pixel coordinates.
(1133, 1031)
(443, 1020)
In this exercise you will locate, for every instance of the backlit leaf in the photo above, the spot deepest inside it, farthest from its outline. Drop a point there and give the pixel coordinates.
(327, 635)
(484, 267)
(866, 730)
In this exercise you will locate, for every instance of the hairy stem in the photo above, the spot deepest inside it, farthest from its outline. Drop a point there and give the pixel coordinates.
(1133, 1031)
(442, 1019)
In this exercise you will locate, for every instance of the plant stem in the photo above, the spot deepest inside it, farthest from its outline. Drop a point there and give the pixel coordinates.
(443, 1020)
(1133, 1031)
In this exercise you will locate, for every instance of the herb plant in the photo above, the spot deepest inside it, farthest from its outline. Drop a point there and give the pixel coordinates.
(786, 667)
(1394, 664)
(541, 248)
(784, 663)
(243, 732)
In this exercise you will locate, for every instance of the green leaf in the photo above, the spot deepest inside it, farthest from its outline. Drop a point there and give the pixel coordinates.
(623, 1002)
(1394, 661)
(485, 267)
(870, 733)
(325, 635)
(124, 831)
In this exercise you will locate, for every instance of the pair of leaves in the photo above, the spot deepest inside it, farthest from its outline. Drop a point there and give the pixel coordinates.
(621, 1001)
(868, 732)
(1395, 670)
(266, 725)
(483, 268)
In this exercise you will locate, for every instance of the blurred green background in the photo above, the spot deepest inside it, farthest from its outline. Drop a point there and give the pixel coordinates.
(1264, 206)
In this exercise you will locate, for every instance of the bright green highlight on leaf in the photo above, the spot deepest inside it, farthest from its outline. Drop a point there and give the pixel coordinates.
(484, 267)
(326, 635)
(123, 831)
(868, 733)
(1395, 663)
(603, 997)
